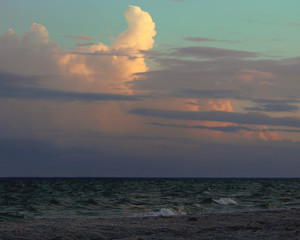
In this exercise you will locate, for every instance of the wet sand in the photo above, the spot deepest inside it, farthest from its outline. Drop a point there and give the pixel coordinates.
(271, 224)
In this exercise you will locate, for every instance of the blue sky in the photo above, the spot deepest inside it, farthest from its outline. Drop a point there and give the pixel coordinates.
(264, 26)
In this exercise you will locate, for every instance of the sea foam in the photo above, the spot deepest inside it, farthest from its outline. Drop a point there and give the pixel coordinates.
(165, 212)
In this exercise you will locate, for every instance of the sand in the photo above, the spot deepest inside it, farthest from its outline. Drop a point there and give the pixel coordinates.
(271, 224)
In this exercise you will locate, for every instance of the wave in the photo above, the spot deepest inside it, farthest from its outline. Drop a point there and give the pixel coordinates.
(225, 201)
(165, 212)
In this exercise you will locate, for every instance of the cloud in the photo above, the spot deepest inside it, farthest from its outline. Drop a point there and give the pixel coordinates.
(230, 129)
(266, 77)
(271, 107)
(104, 53)
(40, 70)
(221, 116)
(200, 80)
(140, 32)
(227, 129)
(34, 53)
(275, 101)
(90, 67)
(204, 77)
(9, 79)
(210, 53)
(85, 44)
(20, 92)
(262, 105)
(199, 39)
(274, 105)
(19, 87)
(81, 38)
(117, 63)
(208, 93)
(248, 75)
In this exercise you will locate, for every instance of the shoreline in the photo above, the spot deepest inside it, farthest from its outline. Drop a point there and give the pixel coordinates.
(264, 224)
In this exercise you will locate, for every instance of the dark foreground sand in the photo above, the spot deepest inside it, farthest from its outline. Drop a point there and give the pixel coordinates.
(275, 224)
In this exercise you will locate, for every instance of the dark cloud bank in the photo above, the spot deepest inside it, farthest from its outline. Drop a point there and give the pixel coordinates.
(24, 87)
(40, 158)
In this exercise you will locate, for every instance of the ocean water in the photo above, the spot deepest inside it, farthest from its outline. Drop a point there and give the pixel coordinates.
(31, 198)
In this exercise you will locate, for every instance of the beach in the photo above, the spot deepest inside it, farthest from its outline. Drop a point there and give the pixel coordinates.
(265, 224)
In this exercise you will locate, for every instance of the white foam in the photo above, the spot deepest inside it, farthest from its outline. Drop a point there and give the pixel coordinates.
(165, 212)
(225, 201)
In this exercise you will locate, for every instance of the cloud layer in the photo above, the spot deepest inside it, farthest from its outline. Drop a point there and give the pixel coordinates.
(222, 116)
(123, 109)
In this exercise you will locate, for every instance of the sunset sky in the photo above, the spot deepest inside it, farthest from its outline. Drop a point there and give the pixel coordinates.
(160, 88)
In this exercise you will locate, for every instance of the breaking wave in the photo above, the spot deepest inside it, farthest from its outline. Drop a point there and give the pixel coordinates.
(165, 212)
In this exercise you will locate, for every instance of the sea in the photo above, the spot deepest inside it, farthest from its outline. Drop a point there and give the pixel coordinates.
(34, 198)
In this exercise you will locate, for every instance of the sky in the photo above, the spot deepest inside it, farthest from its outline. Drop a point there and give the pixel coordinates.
(168, 88)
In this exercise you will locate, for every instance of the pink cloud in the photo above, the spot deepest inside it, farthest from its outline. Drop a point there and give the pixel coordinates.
(117, 63)
(86, 38)
(266, 83)
(249, 75)
(81, 38)
(263, 135)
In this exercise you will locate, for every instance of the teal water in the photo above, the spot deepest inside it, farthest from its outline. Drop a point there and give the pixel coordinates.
(28, 198)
